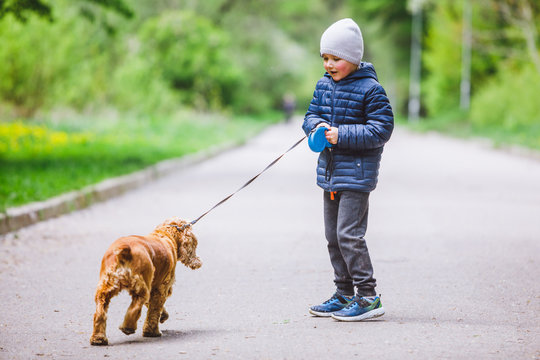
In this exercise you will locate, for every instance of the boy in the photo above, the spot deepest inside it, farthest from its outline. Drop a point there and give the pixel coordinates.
(353, 106)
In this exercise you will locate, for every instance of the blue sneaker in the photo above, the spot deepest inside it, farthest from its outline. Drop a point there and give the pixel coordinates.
(335, 303)
(360, 309)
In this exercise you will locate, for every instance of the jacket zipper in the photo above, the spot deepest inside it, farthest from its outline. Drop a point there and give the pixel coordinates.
(330, 149)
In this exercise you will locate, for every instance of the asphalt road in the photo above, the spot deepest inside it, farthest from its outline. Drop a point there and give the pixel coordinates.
(453, 234)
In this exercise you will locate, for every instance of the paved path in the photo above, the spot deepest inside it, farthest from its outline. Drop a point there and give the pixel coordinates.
(454, 236)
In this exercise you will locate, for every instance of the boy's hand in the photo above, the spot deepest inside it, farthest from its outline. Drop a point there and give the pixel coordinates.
(322, 124)
(332, 135)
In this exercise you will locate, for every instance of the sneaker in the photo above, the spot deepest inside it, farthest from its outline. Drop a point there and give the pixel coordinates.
(360, 309)
(335, 303)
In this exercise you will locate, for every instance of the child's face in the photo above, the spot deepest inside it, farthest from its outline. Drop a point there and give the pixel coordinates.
(337, 68)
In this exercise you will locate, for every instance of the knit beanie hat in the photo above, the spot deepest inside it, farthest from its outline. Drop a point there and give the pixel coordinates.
(344, 40)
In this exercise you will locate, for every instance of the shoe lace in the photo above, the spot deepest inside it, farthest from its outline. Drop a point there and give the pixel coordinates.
(335, 296)
(360, 301)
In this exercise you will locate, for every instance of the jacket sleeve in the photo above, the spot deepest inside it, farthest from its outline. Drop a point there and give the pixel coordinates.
(313, 115)
(378, 126)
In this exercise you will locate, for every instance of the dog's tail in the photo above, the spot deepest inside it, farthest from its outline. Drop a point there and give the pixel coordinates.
(123, 254)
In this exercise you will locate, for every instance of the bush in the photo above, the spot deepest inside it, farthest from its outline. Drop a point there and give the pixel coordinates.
(26, 71)
(272, 64)
(442, 58)
(189, 52)
(161, 59)
(140, 89)
(443, 50)
(66, 63)
(509, 101)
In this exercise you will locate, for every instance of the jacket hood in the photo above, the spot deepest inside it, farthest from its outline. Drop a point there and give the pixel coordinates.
(365, 70)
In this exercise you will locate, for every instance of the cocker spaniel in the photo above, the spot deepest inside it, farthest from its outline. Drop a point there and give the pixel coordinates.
(145, 267)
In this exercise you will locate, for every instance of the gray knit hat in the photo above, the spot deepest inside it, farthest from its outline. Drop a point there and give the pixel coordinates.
(344, 40)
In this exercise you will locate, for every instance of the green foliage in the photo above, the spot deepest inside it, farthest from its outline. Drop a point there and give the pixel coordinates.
(190, 53)
(390, 13)
(442, 58)
(273, 65)
(499, 42)
(509, 101)
(76, 74)
(118, 6)
(138, 88)
(24, 72)
(505, 72)
(21, 8)
(275, 45)
(162, 59)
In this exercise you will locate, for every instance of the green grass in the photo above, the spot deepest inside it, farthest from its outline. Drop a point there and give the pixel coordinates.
(456, 124)
(41, 160)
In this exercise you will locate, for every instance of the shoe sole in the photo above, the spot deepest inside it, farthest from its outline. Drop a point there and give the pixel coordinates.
(320, 314)
(375, 313)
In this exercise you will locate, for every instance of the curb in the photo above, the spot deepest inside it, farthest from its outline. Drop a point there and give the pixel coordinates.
(18, 217)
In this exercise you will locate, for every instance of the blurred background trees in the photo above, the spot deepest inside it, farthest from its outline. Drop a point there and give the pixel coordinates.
(156, 55)
(505, 76)
(241, 56)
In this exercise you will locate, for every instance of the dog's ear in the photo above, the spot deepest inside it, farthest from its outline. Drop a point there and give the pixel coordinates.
(187, 251)
(179, 244)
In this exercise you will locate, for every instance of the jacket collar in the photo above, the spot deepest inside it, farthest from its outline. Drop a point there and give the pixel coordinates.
(366, 70)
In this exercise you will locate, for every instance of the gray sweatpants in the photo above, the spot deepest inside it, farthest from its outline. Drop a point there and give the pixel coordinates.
(345, 222)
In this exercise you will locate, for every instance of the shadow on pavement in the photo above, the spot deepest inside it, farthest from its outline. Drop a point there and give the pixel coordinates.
(169, 336)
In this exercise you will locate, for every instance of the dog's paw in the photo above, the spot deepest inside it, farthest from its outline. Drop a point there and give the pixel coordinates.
(164, 316)
(151, 333)
(126, 330)
(99, 340)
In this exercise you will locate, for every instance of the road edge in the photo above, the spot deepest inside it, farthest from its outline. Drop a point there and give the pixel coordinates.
(19, 217)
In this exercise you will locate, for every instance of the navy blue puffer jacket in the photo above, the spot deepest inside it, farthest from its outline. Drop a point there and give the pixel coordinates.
(358, 106)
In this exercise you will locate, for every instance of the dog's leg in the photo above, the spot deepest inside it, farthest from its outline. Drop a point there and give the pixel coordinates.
(164, 314)
(103, 298)
(133, 312)
(155, 311)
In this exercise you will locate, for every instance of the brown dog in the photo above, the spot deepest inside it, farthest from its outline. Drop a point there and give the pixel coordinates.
(145, 267)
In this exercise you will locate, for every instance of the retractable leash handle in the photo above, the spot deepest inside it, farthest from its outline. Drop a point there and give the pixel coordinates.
(317, 139)
(193, 222)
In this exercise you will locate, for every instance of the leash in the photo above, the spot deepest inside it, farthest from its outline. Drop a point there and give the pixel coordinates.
(193, 222)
